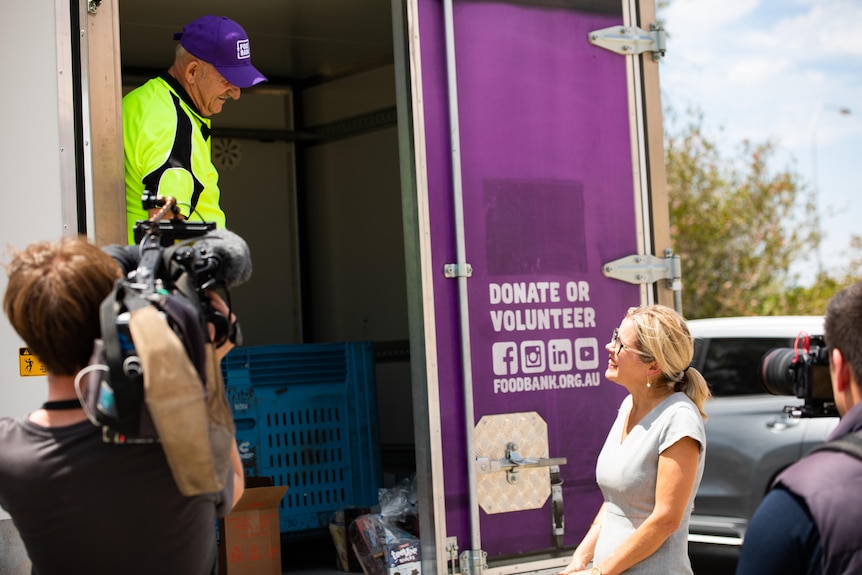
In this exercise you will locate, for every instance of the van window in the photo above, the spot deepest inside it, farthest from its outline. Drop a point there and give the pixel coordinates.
(731, 366)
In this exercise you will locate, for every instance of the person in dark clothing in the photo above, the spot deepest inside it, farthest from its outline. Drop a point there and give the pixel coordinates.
(82, 505)
(808, 523)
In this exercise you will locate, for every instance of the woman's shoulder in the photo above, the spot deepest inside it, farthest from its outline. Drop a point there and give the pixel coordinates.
(681, 402)
(681, 417)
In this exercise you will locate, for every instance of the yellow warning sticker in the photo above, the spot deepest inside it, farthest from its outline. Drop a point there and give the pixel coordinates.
(29, 364)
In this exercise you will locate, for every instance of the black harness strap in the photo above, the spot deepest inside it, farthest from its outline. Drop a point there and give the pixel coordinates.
(850, 443)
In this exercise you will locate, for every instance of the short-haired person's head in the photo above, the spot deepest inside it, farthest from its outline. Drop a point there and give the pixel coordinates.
(205, 86)
(663, 336)
(224, 44)
(53, 297)
(842, 327)
(213, 63)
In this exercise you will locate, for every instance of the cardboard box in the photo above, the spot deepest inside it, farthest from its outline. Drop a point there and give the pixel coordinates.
(250, 535)
(405, 558)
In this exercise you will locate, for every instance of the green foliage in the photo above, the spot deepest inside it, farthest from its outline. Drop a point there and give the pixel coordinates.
(813, 299)
(738, 228)
(799, 300)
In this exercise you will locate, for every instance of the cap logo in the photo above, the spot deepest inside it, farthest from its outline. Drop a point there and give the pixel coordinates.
(243, 50)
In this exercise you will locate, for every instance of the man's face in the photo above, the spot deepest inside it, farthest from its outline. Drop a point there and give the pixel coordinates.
(211, 90)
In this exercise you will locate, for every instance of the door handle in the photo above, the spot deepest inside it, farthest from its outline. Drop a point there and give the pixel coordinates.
(782, 423)
(513, 462)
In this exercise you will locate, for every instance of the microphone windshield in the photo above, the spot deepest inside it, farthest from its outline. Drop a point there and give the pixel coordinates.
(228, 252)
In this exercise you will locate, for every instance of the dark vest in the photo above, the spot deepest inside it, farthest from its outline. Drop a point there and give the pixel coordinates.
(830, 483)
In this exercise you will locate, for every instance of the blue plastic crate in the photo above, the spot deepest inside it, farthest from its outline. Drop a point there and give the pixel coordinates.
(306, 415)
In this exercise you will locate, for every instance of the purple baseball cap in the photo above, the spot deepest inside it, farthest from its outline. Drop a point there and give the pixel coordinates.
(223, 43)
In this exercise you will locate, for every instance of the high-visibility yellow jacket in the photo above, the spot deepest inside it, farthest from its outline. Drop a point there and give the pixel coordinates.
(167, 149)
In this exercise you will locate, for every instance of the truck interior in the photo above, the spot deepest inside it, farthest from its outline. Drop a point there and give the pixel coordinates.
(310, 178)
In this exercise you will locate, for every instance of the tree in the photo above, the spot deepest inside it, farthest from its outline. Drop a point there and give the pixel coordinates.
(736, 226)
(813, 299)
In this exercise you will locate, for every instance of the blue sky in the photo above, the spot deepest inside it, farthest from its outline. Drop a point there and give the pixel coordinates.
(778, 70)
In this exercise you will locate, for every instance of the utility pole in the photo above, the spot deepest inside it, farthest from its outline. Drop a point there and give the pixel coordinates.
(815, 192)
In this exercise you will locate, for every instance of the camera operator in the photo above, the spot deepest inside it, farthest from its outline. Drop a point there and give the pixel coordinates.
(82, 505)
(808, 522)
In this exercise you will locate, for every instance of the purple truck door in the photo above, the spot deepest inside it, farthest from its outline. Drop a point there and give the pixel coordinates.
(548, 198)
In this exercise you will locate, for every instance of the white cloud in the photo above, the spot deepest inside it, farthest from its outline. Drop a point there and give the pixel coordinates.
(830, 29)
(698, 13)
(761, 71)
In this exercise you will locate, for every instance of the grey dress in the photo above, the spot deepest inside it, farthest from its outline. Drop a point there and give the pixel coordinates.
(626, 472)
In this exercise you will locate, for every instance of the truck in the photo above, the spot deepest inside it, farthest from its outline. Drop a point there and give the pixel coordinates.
(475, 187)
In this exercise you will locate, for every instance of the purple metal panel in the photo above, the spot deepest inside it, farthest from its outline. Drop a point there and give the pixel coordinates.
(548, 198)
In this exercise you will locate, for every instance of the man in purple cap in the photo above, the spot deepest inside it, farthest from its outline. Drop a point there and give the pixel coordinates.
(167, 121)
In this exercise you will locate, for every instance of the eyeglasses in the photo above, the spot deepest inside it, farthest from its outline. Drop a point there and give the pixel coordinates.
(615, 340)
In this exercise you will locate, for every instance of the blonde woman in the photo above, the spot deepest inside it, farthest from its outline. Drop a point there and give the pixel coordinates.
(652, 460)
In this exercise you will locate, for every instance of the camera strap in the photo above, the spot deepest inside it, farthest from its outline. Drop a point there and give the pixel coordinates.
(850, 443)
(61, 405)
(124, 372)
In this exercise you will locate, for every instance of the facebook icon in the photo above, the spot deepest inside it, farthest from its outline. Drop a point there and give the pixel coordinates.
(505, 358)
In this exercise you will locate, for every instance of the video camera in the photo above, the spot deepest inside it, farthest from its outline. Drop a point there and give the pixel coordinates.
(172, 268)
(185, 257)
(803, 371)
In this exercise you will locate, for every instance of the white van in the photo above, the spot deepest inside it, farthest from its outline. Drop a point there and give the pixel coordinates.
(750, 438)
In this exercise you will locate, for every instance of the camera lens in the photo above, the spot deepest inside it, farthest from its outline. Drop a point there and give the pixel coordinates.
(776, 373)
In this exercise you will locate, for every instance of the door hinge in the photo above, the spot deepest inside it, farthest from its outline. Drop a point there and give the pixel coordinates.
(632, 40)
(646, 269)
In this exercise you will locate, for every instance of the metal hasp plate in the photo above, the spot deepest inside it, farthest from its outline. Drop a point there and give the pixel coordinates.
(646, 269)
(512, 463)
(631, 40)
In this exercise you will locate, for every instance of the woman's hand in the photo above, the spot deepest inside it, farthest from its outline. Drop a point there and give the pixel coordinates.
(583, 554)
(575, 567)
(578, 564)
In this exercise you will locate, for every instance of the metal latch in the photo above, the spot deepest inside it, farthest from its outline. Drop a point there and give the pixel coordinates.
(513, 463)
(93, 6)
(473, 562)
(558, 518)
(627, 40)
(452, 552)
(646, 269)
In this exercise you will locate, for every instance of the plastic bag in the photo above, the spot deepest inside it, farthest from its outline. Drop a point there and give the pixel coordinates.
(398, 505)
(383, 548)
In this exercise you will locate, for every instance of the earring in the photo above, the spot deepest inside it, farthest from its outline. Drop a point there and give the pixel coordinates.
(648, 384)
